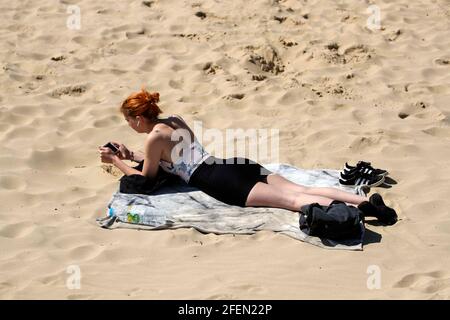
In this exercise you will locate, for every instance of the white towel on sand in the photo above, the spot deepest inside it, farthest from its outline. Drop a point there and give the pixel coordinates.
(180, 206)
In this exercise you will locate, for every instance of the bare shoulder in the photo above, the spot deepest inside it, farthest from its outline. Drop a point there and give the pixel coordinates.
(155, 138)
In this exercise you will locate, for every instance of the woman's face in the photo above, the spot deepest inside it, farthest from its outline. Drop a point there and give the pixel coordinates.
(132, 122)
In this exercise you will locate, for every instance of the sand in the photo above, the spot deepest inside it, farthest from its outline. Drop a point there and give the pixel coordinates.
(337, 90)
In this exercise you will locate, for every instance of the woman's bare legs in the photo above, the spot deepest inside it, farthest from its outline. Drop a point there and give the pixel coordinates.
(281, 195)
(332, 193)
(266, 195)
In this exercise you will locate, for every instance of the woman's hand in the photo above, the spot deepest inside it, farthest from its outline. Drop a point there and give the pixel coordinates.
(124, 153)
(107, 155)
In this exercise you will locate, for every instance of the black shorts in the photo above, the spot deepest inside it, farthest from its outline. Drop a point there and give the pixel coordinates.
(228, 180)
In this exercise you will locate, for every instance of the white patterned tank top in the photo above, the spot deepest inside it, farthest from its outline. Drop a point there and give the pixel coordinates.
(186, 164)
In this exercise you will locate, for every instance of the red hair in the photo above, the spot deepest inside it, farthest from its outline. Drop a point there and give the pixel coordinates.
(141, 103)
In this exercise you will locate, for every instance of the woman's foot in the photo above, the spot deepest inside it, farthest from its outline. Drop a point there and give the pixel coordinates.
(376, 207)
(376, 200)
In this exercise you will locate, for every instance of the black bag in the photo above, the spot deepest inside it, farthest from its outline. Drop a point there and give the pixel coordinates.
(337, 221)
(136, 183)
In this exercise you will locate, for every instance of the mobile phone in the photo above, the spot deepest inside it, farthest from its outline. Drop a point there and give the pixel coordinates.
(112, 147)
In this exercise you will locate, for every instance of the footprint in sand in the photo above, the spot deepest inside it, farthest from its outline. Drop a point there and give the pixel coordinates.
(429, 282)
(12, 183)
(22, 133)
(16, 230)
(438, 132)
(108, 121)
(83, 40)
(442, 62)
(16, 119)
(55, 158)
(74, 113)
(174, 84)
(364, 143)
(353, 54)
(85, 252)
(357, 53)
(392, 36)
(211, 68)
(149, 64)
(135, 34)
(421, 110)
(266, 58)
(234, 96)
(31, 111)
(76, 90)
(67, 242)
(52, 279)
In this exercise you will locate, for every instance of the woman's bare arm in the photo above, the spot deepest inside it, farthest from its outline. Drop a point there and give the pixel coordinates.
(125, 168)
(138, 156)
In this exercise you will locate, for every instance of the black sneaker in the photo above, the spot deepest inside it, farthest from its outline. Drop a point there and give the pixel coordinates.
(365, 167)
(354, 174)
(362, 179)
(359, 164)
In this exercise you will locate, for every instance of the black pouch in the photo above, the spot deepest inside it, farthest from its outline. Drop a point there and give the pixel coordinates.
(337, 221)
(136, 183)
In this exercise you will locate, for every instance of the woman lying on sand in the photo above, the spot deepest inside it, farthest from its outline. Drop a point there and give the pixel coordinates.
(235, 181)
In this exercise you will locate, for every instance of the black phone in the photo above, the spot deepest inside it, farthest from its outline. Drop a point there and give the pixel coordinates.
(112, 147)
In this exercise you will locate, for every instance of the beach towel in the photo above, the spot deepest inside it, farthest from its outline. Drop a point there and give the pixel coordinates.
(178, 205)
